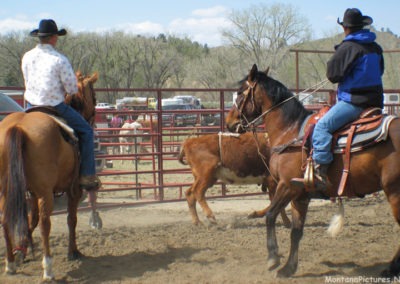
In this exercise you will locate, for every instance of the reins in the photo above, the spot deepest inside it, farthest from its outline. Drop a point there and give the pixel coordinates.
(251, 88)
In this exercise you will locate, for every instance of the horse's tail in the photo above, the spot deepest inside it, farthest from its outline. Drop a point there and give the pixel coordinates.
(337, 222)
(13, 183)
(181, 155)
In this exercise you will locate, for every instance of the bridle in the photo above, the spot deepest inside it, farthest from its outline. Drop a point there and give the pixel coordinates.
(250, 90)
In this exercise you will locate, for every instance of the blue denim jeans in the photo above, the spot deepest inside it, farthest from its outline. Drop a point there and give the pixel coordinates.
(85, 135)
(339, 115)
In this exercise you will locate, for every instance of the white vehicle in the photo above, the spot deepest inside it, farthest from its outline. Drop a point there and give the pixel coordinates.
(133, 103)
(104, 106)
(192, 100)
(167, 102)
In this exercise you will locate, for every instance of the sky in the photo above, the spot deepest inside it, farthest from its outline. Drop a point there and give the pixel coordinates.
(199, 20)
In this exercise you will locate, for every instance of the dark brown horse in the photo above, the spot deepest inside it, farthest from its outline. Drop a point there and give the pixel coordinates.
(36, 162)
(376, 168)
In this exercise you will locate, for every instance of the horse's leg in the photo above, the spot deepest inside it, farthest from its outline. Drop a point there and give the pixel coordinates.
(261, 213)
(73, 202)
(45, 209)
(271, 192)
(394, 268)
(299, 212)
(278, 203)
(10, 266)
(285, 219)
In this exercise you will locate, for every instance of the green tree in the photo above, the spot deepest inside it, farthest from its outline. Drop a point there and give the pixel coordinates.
(12, 48)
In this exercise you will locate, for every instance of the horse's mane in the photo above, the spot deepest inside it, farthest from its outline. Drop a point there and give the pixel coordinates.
(293, 110)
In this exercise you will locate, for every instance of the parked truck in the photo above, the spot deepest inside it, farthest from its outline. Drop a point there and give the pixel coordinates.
(133, 103)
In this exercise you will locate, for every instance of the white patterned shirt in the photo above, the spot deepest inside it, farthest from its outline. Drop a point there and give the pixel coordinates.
(48, 76)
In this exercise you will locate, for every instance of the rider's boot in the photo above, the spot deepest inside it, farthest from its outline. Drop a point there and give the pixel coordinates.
(321, 181)
(320, 178)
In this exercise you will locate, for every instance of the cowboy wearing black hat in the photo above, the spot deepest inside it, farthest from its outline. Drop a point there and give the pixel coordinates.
(47, 28)
(357, 66)
(44, 64)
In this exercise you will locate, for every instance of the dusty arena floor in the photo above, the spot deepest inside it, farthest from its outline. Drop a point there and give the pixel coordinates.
(158, 244)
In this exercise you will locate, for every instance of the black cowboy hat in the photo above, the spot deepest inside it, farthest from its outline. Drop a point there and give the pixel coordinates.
(48, 27)
(353, 18)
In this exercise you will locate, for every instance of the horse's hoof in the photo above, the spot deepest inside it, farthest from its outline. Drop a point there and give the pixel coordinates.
(10, 272)
(273, 263)
(285, 272)
(75, 255)
(10, 269)
(48, 278)
(387, 273)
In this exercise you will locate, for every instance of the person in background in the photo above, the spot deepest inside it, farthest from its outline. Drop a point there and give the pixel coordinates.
(48, 77)
(116, 121)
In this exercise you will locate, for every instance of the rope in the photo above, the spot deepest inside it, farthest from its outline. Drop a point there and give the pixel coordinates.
(263, 158)
(316, 87)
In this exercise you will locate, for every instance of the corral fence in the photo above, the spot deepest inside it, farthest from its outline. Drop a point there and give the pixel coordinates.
(141, 167)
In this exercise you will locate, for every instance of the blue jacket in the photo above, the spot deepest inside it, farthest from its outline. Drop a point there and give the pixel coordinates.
(357, 66)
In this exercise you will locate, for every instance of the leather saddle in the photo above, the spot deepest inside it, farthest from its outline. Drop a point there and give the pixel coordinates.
(370, 128)
(66, 131)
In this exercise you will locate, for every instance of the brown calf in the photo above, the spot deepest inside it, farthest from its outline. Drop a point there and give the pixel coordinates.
(230, 159)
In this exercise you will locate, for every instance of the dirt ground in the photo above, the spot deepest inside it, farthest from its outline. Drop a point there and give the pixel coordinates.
(158, 244)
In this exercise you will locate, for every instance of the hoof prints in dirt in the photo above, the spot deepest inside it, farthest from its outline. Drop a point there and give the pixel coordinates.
(233, 251)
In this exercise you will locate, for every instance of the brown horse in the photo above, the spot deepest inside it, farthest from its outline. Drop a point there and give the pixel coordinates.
(36, 162)
(231, 159)
(376, 168)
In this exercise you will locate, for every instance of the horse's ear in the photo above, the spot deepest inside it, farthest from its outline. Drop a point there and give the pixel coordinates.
(266, 71)
(253, 72)
(79, 75)
(94, 77)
